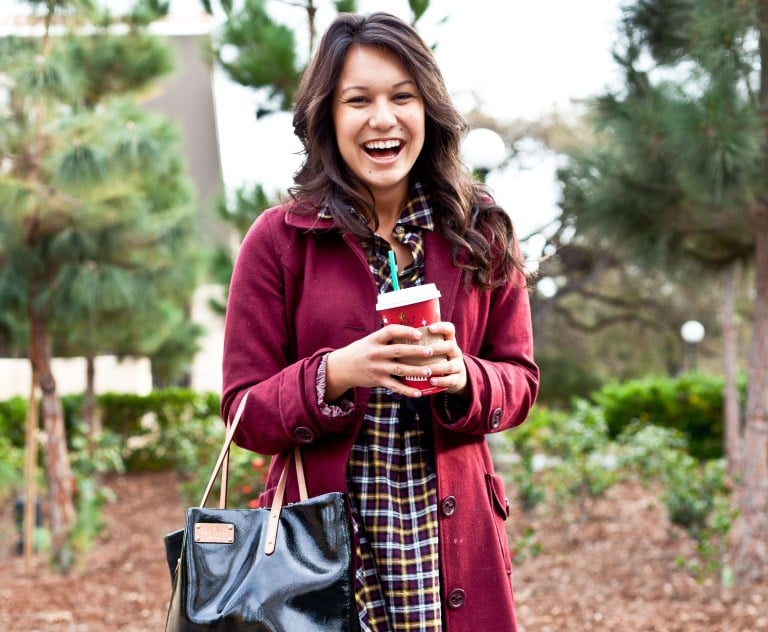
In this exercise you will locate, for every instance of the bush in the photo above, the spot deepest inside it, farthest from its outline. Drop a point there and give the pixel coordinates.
(13, 416)
(136, 424)
(568, 453)
(695, 493)
(691, 404)
(11, 467)
(150, 424)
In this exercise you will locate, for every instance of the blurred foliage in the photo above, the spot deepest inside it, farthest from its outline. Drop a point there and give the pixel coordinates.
(564, 375)
(95, 201)
(568, 457)
(239, 212)
(695, 492)
(266, 54)
(564, 456)
(11, 467)
(691, 404)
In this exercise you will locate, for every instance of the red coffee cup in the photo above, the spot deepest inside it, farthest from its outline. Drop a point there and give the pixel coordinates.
(417, 307)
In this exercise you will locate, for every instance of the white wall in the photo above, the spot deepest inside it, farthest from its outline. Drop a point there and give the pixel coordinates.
(131, 375)
(205, 372)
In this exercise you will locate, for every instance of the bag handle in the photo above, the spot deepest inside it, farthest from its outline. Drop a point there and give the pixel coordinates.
(224, 457)
(277, 501)
(223, 461)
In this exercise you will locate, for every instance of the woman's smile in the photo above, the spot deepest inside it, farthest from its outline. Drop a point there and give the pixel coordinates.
(383, 149)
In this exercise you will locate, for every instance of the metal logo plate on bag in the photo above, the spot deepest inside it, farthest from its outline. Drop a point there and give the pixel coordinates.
(215, 532)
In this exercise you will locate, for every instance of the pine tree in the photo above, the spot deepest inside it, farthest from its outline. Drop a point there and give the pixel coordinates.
(95, 208)
(679, 179)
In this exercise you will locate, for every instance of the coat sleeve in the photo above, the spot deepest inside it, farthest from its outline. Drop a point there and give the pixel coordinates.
(282, 409)
(501, 371)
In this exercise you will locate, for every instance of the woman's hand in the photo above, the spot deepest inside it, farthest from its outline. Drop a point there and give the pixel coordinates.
(375, 361)
(450, 373)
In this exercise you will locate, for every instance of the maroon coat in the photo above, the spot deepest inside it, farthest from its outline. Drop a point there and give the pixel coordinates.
(299, 290)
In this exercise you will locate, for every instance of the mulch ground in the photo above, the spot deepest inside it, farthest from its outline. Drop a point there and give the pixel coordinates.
(617, 571)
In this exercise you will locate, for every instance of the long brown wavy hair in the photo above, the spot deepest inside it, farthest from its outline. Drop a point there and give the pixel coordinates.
(480, 232)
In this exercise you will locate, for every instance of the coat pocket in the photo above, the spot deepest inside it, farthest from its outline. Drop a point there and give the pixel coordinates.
(496, 494)
(500, 505)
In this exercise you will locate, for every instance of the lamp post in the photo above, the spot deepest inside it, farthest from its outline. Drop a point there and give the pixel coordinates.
(483, 150)
(692, 332)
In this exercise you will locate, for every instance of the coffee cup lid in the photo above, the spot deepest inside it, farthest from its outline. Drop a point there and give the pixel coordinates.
(407, 296)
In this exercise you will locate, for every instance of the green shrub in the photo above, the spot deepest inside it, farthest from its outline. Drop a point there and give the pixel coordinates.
(568, 453)
(13, 416)
(570, 457)
(649, 451)
(11, 467)
(91, 456)
(194, 448)
(691, 404)
(695, 493)
(123, 412)
(147, 424)
(134, 425)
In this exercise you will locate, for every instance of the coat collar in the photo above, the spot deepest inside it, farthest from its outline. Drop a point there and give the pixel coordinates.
(439, 268)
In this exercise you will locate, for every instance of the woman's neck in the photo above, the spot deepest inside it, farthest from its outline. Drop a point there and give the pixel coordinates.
(389, 206)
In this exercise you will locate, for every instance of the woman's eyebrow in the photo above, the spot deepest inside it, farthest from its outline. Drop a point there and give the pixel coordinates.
(395, 86)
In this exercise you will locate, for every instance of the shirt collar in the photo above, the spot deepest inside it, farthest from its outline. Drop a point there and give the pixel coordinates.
(417, 211)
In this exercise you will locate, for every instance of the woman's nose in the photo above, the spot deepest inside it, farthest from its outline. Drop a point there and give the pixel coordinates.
(383, 115)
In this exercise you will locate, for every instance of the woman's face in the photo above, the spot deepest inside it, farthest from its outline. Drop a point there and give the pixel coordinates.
(378, 116)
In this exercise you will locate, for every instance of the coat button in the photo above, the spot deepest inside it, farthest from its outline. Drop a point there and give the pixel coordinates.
(496, 418)
(456, 598)
(399, 229)
(449, 506)
(303, 434)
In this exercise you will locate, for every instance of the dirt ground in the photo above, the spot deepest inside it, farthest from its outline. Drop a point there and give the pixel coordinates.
(615, 572)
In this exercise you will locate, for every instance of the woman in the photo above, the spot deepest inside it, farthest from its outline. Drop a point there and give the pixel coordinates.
(382, 172)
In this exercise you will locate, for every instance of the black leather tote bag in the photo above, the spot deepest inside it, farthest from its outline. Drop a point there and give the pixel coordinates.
(284, 569)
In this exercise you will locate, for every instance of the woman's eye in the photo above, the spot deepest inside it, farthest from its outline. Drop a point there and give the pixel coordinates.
(357, 100)
(403, 96)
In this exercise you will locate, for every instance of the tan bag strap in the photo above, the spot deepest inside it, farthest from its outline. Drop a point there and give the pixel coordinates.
(300, 478)
(277, 501)
(224, 481)
(224, 457)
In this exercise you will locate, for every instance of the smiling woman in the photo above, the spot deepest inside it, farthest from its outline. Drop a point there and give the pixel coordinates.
(382, 177)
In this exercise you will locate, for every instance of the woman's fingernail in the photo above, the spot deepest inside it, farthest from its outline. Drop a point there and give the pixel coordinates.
(427, 351)
(426, 371)
(417, 333)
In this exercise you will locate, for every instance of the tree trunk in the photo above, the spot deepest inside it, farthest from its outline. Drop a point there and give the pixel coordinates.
(60, 479)
(91, 418)
(30, 476)
(731, 403)
(750, 531)
(751, 528)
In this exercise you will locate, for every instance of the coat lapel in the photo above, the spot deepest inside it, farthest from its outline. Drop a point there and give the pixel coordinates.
(441, 271)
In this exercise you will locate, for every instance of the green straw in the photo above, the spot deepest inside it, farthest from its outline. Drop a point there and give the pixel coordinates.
(393, 269)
